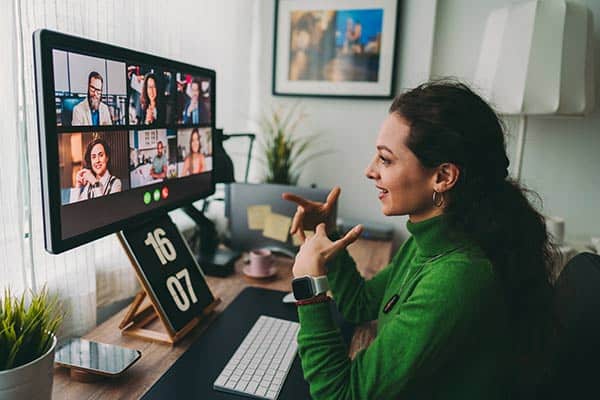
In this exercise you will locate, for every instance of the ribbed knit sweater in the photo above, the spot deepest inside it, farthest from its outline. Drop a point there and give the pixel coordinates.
(445, 337)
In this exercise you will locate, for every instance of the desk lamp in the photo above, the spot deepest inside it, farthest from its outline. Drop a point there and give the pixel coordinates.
(536, 59)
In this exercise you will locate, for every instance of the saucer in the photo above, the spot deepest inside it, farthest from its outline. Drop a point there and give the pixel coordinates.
(272, 271)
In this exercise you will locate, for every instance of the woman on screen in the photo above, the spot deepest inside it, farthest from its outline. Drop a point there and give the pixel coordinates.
(194, 162)
(95, 179)
(149, 100)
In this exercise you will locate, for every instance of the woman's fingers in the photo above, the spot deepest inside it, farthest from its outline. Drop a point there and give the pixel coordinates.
(301, 201)
(344, 242)
(320, 229)
(297, 221)
(332, 197)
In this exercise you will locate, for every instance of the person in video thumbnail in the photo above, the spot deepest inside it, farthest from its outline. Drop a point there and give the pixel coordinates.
(159, 163)
(194, 162)
(95, 179)
(195, 111)
(149, 100)
(91, 110)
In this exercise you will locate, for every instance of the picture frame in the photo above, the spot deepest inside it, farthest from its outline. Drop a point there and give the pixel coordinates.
(335, 48)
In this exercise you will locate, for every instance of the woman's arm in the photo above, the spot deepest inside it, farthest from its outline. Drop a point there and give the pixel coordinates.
(186, 166)
(357, 299)
(418, 338)
(201, 163)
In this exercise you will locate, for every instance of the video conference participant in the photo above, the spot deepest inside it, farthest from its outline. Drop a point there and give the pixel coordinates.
(465, 308)
(194, 161)
(195, 111)
(159, 163)
(149, 100)
(91, 110)
(95, 179)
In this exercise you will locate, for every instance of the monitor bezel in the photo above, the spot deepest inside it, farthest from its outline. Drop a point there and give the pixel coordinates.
(44, 41)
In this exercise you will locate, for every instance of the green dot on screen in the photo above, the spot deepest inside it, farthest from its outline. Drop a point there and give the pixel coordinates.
(147, 198)
(156, 195)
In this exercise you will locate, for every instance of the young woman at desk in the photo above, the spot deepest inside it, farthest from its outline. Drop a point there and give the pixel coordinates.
(465, 302)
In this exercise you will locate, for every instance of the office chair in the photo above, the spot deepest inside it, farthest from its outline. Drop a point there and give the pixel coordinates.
(575, 370)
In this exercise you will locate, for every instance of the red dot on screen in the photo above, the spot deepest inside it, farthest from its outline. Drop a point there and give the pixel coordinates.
(165, 192)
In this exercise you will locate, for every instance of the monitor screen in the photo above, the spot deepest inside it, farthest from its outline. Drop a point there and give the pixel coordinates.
(124, 136)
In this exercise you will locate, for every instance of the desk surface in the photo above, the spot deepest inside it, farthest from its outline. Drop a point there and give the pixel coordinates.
(158, 358)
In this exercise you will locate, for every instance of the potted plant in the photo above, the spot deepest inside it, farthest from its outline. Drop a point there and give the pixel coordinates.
(27, 344)
(284, 152)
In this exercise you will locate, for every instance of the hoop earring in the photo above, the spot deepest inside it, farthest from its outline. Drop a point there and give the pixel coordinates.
(438, 202)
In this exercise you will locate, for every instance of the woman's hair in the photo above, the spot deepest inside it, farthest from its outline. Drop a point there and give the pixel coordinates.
(88, 153)
(145, 100)
(195, 131)
(449, 123)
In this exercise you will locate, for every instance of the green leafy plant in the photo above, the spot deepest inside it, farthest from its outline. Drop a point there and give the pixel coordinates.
(27, 330)
(284, 151)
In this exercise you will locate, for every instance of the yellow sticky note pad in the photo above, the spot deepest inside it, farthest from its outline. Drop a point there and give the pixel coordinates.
(277, 226)
(257, 215)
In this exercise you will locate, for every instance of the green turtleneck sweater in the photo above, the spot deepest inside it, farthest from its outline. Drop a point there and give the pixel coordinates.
(446, 336)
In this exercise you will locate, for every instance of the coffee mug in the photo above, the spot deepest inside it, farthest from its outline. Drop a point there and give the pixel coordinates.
(261, 261)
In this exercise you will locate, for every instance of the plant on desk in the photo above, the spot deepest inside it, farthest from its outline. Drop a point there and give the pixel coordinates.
(27, 344)
(284, 151)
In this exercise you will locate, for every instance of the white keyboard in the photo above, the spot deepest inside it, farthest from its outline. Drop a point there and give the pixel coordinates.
(260, 364)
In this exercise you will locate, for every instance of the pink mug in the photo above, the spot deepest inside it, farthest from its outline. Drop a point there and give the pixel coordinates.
(261, 261)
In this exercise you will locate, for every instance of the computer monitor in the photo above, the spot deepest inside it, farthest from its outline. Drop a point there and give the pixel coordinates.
(123, 136)
(240, 198)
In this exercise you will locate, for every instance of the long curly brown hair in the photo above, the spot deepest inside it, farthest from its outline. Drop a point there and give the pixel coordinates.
(451, 123)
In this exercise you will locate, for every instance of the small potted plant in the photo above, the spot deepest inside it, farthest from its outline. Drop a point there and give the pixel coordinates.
(27, 344)
(284, 152)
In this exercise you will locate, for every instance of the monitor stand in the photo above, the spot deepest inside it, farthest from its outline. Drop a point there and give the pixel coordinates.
(174, 290)
(214, 260)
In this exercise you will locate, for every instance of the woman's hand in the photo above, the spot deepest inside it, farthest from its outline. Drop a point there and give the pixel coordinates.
(318, 249)
(150, 114)
(85, 176)
(311, 213)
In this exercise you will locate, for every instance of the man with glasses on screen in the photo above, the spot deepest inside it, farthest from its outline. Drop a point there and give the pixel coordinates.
(91, 111)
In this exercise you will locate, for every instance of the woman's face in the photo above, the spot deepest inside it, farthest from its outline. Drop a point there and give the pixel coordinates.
(99, 159)
(404, 185)
(195, 142)
(151, 89)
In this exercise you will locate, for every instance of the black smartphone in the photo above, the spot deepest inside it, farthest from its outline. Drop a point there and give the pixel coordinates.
(98, 358)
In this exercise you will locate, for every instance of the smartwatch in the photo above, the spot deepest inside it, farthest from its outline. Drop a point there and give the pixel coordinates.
(305, 287)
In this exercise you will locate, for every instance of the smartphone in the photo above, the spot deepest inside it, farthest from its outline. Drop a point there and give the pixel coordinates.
(98, 358)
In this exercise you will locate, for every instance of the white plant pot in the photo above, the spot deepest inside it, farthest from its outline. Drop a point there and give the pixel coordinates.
(32, 381)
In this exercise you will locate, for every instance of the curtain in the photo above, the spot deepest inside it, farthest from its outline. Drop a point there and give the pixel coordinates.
(213, 34)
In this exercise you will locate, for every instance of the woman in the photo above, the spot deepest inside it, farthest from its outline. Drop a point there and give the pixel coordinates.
(149, 100)
(465, 303)
(95, 179)
(194, 161)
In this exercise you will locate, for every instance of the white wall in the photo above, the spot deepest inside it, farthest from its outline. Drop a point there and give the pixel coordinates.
(349, 127)
(561, 160)
(562, 155)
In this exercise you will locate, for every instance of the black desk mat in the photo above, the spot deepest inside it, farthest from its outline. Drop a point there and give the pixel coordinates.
(193, 374)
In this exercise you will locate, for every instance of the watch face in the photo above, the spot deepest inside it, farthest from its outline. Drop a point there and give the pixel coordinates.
(302, 288)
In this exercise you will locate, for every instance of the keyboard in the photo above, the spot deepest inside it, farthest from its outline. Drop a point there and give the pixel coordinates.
(261, 363)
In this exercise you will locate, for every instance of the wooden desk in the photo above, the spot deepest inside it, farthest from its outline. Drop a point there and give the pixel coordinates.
(157, 358)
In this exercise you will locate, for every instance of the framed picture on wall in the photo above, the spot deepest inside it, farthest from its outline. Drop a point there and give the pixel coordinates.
(335, 48)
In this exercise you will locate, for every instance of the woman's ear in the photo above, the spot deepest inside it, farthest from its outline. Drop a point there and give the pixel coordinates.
(446, 176)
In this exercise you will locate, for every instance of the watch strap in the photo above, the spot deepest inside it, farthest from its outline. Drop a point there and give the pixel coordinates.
(321, 284)
(321, 298)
